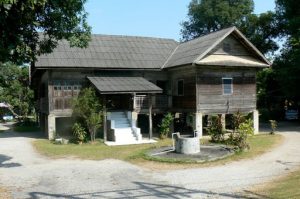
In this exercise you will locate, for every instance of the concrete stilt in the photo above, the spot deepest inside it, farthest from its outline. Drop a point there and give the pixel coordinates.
(199, 126)
(223, 121)
(256, 121)
(51, 127)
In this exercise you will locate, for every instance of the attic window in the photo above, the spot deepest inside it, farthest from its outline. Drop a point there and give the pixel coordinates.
(226, 47)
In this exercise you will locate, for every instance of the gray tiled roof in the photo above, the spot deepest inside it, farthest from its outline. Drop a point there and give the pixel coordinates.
(124, 85)
(128, 52)
(106, 51)
(188, 52)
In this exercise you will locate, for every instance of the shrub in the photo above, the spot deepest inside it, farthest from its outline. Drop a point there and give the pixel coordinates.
(164, 127)
(79, 132)
(88, 108)
(237, 120)
(242, 129)
(241, 135)
(215, 130)
(273, 124)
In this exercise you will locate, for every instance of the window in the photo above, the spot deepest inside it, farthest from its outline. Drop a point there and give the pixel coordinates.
(66, 88)
(227, 86)
(180, 87)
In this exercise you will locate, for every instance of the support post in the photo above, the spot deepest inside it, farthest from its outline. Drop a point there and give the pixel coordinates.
(223, 121)
(51, 127)
(104, 119)
(256, 121)
(199, 126)
(150, 116)
(133, 102)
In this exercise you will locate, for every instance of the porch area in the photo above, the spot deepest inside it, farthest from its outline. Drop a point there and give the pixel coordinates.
(124, 98)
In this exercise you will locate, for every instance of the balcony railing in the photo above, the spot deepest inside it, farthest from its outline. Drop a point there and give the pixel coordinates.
(158, 101)
(141, 102)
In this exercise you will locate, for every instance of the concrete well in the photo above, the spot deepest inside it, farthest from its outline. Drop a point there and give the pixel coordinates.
(187, 144)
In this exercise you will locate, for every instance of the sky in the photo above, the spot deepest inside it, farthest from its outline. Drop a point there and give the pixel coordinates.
(150, 18)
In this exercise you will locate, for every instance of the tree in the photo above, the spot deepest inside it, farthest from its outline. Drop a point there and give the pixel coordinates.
(14, 89)
(212, 15)
(87, 106)
(29, 27)
(286, 66)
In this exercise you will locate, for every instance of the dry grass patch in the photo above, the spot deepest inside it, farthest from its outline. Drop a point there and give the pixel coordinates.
(4, 193)
(284, 187)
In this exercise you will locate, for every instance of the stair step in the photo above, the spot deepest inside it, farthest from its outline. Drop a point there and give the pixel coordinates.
(117, 126)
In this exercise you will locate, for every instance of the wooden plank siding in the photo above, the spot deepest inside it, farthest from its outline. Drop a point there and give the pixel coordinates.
(235, 48)
(210, 97)
(188, 100)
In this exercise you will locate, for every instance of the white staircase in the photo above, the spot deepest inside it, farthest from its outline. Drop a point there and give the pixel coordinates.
(122, 129)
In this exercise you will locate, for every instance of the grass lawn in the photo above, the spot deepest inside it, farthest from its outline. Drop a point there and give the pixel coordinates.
(97, 151)
(136, 153)
(284, 187)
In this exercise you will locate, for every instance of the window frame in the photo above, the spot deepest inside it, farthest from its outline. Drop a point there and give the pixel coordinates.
(223, 85)
(180, 80)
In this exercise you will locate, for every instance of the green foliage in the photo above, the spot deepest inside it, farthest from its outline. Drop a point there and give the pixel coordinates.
(242, 129)
(22, 21)
(26, 126)
(14, 89)
(94, 122)
(286, 70)
(88, 107)
(273, 124)
(212, 15)
(215, 130)
(79, 132)
(164, 127)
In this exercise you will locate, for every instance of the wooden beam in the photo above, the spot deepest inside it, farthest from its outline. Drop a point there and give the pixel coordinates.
(150, 116)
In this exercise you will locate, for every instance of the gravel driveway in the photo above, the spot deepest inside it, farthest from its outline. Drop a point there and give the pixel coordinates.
(30, 175)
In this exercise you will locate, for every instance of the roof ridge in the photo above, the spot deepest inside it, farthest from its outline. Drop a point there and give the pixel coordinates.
(208, 34)
(170, 56)
(134, 36)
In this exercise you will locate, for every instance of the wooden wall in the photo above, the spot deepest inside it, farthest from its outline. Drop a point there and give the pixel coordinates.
(188, 100)
(235, 48)
(59, 102)
(210, 97)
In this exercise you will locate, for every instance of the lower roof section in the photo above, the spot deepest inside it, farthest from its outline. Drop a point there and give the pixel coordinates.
(122, 85)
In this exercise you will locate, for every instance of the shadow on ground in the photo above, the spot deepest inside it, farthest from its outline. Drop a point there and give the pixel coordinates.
(283, 126)
(9, 132)
(4, 159)
(146, 190)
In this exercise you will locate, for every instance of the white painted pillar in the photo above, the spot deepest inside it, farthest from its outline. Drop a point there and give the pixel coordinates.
(256, 121)
(51, 127)
(223, 121)
(134, 117)
(199, 126)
